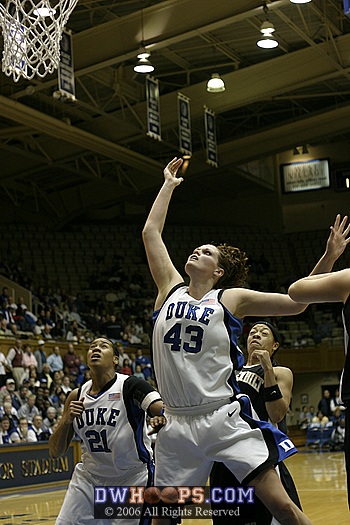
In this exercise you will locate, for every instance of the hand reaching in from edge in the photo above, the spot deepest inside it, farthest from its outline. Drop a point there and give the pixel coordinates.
(337, 241)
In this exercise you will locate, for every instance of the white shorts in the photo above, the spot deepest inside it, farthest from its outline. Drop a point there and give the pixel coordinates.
(187, 446)
(78, 504)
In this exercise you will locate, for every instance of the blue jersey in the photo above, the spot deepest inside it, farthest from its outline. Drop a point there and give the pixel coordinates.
(195, 351)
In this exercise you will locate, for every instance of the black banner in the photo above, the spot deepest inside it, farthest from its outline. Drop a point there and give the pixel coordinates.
(22, 465)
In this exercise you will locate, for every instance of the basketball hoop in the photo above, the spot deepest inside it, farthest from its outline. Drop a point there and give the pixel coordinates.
(32, 30)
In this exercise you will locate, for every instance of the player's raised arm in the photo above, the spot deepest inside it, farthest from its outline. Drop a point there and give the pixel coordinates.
(327, 287)
(335, 246)
(162, 269)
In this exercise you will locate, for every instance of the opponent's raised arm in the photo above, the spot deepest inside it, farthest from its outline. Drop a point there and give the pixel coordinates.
(336, 243)
(162, 269)
(326, 287)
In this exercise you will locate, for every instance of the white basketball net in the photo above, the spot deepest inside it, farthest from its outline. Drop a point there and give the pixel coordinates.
(32, 31)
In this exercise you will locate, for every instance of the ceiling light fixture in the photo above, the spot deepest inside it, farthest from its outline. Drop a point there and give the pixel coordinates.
(143, 65)
(215, 84)
(300, 1)
(267, 41)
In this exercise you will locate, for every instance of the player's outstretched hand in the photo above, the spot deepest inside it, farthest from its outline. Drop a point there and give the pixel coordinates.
(170, 171)
(156, 422)
(337, 240)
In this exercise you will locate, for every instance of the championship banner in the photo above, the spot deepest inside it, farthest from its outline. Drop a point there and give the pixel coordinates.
(210, 137)
(183, 105)
(153, 110)
(66, 82)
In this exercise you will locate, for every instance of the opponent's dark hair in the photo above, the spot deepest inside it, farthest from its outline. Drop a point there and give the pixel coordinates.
(234, 263)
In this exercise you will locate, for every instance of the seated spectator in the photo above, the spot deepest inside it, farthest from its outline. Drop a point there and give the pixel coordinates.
(87, 375)
(50, 419)
(73, 332)
(5, 437)
(126, 369)
(304, 418)
(138, 372)
(33, 379)
(59, 404)
(20, 434)
(29, 409)
(8, 410)
(46, 333)
(74, 314)
(132, 358)
(66, 386)
(338, 435)
(312, 412)
(337, 416)
(71, 361)
(45, 376)
(80, 378)
(54, 360)
(10, 390)
(4, 331)
(28, 359)
(36, 432)
(8, 311)
(320, 418)
(3, 369)
(56, 382)
(145, 363)
(22, 393)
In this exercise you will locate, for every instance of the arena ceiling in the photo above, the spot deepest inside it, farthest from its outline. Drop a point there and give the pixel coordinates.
(65, 161)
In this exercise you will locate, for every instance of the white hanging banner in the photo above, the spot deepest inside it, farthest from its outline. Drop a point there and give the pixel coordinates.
(66, 81)
(153, 109)
(210, 137)
(183, 105)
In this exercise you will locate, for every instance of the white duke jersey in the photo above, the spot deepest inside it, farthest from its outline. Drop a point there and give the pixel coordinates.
(195, 352)
(113, 427)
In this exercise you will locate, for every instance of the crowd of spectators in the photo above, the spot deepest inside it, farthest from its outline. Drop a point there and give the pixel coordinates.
(329, 416)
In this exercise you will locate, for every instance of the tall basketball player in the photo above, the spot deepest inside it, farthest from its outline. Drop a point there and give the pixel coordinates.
(108, 413)
(195, 355)
(332, 287)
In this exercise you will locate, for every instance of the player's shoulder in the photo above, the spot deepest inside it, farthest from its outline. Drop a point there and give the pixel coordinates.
(282, 371)
(74, 394)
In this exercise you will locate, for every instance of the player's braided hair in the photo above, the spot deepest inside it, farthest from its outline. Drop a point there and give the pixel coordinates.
(234, 263)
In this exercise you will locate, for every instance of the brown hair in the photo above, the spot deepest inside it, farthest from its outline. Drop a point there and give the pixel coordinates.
(234, 263)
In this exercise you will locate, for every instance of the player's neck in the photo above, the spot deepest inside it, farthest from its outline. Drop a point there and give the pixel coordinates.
(100, 379)
(197, 290)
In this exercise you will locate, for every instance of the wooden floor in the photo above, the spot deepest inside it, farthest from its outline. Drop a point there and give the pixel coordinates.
(320, 478)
